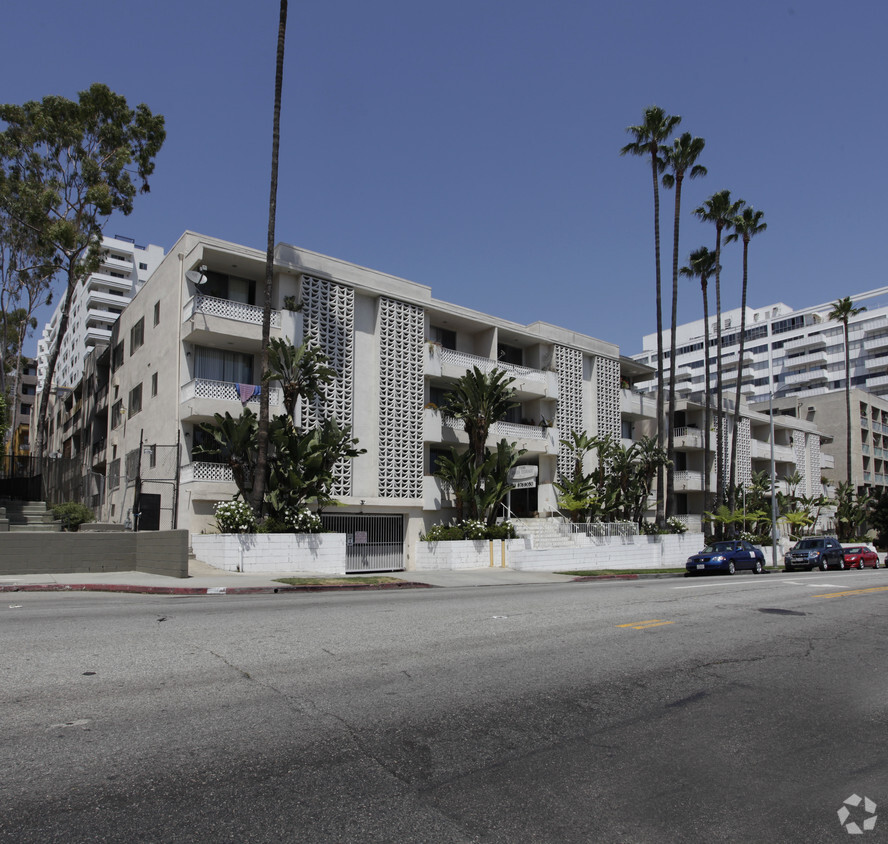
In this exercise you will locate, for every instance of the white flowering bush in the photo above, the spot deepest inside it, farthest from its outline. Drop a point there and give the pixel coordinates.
(302, 521)
(234, 517)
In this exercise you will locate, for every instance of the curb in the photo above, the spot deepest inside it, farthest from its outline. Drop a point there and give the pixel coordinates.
(205, 590)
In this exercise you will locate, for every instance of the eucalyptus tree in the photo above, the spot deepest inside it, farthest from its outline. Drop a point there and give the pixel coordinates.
(701, 264)
(263, 425)
(746, 225)
(649, 136)
(65, 167)
(719, 210)
(842, 311)
(681, 161)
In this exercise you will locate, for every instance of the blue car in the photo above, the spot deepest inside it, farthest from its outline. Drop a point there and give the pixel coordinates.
(728, 556)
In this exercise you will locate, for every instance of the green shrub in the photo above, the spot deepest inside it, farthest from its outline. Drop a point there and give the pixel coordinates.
(292, 520)
(73, 514)
(443, 533)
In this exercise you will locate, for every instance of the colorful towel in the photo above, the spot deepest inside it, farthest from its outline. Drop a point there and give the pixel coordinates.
(248, 391)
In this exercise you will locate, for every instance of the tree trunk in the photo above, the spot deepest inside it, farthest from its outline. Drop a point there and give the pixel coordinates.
(661, 431)
(735, 432)
(670, 447)
(847, 404)
(262, 435)
(707, 413)
(719, 410)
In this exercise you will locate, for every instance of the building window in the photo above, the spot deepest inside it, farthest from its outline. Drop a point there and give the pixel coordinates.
(157, 313)
(137, 335)
(114, 474)
(154, 385)
(117, 357)
(135, 400)
(116, 414)
(26, 410)
(443, 336)
(143, 266)
(222, 365)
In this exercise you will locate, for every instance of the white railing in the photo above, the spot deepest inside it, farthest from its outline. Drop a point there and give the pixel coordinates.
(693, 435)
(240, 311)
(505, 429)
(204, 388)
(463, 359)
(806, 342)
(599, 529)
(689, 480)
(214, 472)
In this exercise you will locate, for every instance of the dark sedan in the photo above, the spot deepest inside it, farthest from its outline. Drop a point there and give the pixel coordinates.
(859, 557)
(728, 556)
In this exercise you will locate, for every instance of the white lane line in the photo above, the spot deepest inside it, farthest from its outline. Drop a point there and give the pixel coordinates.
(719, 582)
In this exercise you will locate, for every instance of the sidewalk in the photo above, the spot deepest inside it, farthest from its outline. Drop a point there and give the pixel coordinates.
(206, 580)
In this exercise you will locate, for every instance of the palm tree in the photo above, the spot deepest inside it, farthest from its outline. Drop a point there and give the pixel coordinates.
(262, 440)
(301, 370)
(746, 226)
(701, 264)
(720, 211)
(480, 399)
(842, 311)
(680, 161)
(649, 135)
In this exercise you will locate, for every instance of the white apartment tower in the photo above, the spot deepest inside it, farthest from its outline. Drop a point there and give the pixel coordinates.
(96, 305)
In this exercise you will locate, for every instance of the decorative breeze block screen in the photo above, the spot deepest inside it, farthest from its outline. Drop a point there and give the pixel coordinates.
(569, 363)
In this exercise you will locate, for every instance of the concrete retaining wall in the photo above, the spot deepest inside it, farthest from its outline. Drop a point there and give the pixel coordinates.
(465, 554)
(279, 553)
(154, 552)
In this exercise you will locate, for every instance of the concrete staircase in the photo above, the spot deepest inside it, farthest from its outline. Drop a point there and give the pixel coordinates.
(28, 517)
(543, 533)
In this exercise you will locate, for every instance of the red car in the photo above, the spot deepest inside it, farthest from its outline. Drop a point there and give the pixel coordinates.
(859, 556)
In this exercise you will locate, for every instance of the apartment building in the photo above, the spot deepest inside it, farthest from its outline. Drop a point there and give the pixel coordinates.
(181, 352)
(23, 409)
(798, 358)
(799, 447)
(96, 305)
(787, 352)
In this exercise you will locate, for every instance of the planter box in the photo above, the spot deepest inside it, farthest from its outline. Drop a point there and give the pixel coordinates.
(464, 554)
(278, 553)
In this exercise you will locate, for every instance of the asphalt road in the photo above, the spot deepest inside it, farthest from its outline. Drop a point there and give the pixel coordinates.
(699, 710)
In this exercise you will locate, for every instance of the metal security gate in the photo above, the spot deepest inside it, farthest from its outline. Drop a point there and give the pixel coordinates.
(372, 542)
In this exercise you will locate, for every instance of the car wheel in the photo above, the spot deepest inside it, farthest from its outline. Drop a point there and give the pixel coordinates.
(842, 564)
(758, 566)
(824, 565)
(731, 567)
(876, 564)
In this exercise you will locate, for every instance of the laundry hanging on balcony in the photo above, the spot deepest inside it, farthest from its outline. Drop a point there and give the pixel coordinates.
(247, 392)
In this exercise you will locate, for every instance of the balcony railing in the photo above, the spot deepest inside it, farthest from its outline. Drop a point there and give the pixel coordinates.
(688, 481)
(227, 309)
(688, 437)
(204, 388)
(467, 361)
(812, 341)
(212, 472)
(502, 429)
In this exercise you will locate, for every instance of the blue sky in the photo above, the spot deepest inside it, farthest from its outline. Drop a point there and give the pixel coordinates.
(473, 145)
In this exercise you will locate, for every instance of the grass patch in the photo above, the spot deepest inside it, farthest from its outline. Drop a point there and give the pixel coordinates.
(367, 580)
(602, 572)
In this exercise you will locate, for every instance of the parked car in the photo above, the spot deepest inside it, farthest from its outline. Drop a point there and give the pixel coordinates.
(815, 552)
(860, 557)
(728, 556)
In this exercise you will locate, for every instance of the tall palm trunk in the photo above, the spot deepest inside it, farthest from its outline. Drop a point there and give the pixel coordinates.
(735, 432)
(707, 412)
(262, 436)
(661, 430)
(670, 446)
(719, 409)
(847, 404)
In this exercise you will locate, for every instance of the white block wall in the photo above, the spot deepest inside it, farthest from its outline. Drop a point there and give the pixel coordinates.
(276, 553)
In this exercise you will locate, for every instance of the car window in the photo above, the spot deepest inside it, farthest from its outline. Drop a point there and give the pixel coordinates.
(855, 550)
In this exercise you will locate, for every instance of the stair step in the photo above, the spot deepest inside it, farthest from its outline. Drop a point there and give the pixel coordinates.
(47, 527)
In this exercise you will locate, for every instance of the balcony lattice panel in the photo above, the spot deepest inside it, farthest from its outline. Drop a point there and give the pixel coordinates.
(400, 399)
(744, 455)
(814, 453)
(798, 448)
(242, 312)
(569, 363)
(329, 317)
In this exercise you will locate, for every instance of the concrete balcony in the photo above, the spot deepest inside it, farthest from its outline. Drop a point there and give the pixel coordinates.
(93, 335)
(879, 362)
(202, 398)
(812, 376)
(533, 438)
(638, 405)
(123, 284)
(815, 358)
(689, 439)
(874, 344)
(874, 381)
(686, 481)
(730, 375)
(811, 341)
(206, 319)
(529, 383)
(761, 450)
(103, 299)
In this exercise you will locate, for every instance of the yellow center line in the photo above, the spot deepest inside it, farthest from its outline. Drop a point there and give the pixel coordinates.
(643, 625)
(852, 592)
